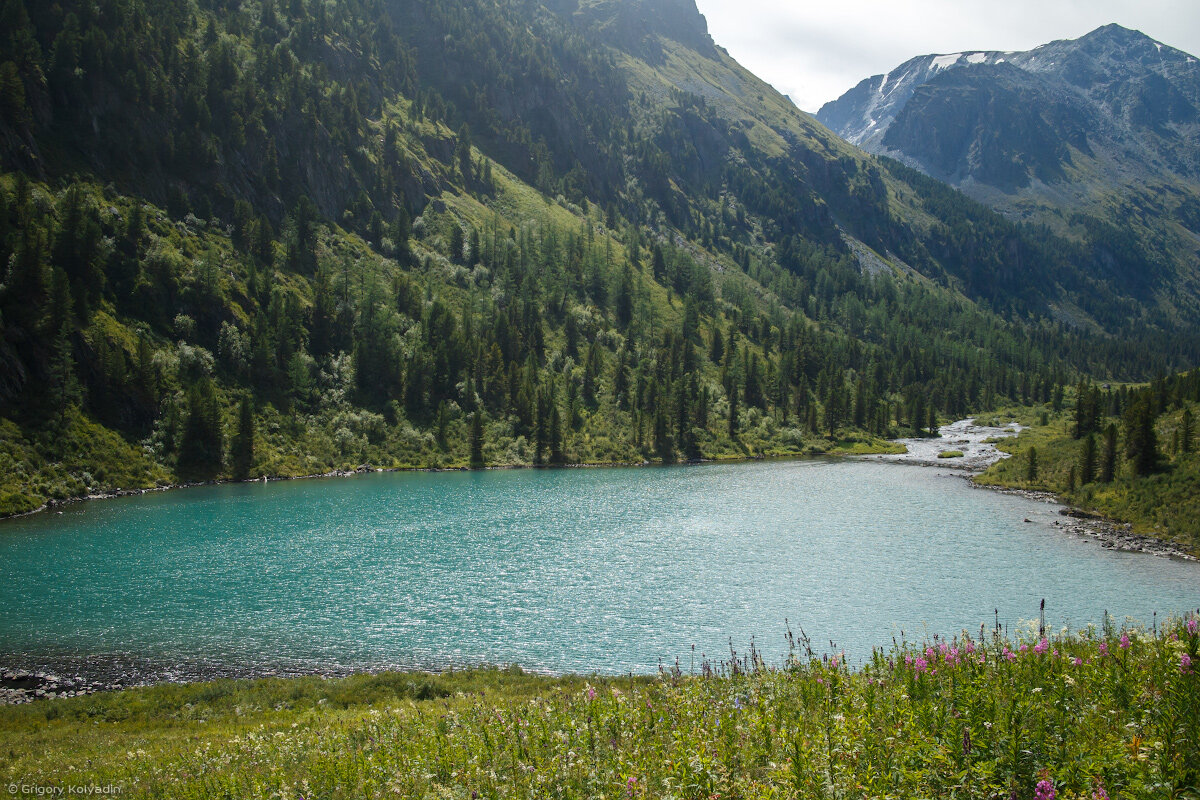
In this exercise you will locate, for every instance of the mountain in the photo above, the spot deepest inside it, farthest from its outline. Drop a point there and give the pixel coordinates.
(279, 238)
(1096, 137)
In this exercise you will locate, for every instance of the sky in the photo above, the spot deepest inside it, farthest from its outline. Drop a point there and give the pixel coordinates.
(814, 50)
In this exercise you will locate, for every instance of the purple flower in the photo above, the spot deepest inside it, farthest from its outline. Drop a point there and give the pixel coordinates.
(1185, 663)
(1045, 790)
(1124, 641)
(1041, 647)
(1104, 648)
(921, 665)
(1077, 661)
(591, 693)
(1099, 792)
(1193, 625)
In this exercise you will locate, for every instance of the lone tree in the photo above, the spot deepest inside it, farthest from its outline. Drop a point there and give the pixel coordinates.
(1031, 467)
(1185, 432)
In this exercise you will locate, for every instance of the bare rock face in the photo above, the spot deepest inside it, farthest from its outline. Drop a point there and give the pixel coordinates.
(1007, 120)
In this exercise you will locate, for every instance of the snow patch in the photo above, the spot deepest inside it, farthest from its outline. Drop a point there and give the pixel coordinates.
(1159, 46)
(941, 62)
(976, 58)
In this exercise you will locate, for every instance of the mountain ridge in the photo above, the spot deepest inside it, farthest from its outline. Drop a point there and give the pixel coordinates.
(266, 238)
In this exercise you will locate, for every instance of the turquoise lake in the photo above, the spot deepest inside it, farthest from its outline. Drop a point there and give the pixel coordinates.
(607, 570)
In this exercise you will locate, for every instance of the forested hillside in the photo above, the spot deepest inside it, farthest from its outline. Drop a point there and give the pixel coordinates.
(1128, 453)
(280, 238)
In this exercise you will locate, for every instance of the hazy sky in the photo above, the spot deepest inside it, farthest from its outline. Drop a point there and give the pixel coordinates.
(814, 50)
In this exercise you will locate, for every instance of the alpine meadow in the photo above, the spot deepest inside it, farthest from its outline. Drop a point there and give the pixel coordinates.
(252, 240)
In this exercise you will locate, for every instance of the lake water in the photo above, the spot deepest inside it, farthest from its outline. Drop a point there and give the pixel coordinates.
(607, 570)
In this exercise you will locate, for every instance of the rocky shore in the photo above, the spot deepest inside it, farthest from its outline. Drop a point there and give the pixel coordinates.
(76, 676)
(977, 443)
(22, 686)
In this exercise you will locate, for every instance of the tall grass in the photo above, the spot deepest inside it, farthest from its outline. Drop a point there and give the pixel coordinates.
(1101, 713)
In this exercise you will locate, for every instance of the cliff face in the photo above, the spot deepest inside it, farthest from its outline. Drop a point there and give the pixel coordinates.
(1096, 137)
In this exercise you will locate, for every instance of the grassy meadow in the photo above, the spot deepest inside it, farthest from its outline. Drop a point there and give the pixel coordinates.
(1102, 713)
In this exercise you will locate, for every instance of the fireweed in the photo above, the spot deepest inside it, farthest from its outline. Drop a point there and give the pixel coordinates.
(1070, 716)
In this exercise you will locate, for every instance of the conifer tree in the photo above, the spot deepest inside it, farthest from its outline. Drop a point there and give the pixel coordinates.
(476, 441)
(1108, 461)
(1141, 444)
(242, 448)
(201, 448)
(1087, 462)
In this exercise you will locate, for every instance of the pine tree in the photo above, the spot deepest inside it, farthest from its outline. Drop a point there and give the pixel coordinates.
(1087, 462)
(624, 304)
(1108, 461)
(477, 440)
(1141, 445)
(733, 410)
(557, 455)
(1031, 466)
(201, 449)
(1185, 431)
(242, 449)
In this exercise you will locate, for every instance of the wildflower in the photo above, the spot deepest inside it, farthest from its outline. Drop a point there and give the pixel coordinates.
(1104, 648)
(1045, 790)
(1077, 661)
(1024, 648)
(1193, 625)
(591, 692)
(1041, 647)
(1185, 663)
(921, 665)
(1124, 641)
(1098, 790)
(630, 785)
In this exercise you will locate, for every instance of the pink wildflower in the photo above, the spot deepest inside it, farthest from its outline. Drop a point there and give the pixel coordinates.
(921, 665)
(1077, 661)
(1024, 648)
(1045, 790)
(1124, 641)
(1041, 647)
(1104, 648)
(1185, 663)
(591, 693)
(1193, 625)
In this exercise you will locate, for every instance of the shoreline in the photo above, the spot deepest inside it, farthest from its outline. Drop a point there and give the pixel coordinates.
(1108, 533)
(52, 504)
(25, 678)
